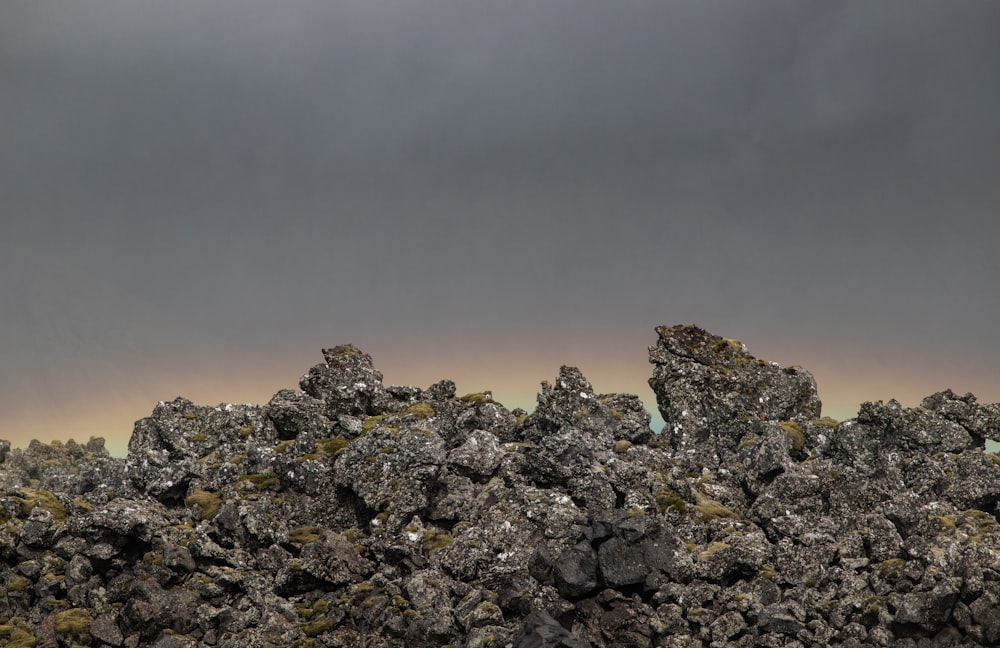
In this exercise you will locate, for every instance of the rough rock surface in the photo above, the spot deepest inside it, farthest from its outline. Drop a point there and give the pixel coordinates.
(355, 514)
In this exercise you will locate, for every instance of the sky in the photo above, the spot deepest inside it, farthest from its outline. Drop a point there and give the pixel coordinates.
(196, 197)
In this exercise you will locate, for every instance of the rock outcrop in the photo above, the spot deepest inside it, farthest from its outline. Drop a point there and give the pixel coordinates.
(349, 513)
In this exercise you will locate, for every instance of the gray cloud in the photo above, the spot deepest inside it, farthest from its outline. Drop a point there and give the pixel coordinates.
(250, 169)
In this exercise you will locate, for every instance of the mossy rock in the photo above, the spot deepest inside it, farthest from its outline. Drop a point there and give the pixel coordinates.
(435, 541)
(14, 637)
(332, 446)
(795, 435)
(477, 398)
(892, 568)
(75, 622)
(419, 410)
(44, 499)
(667, 499)
(17, 583)
(713, 549)
(318, 627)
(306, 534)
(261, 481)
(715, 511)
(622, 446)
(207, 501)
(371, 423)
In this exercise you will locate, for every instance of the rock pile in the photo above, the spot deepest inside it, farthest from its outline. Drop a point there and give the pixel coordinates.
(350, 514)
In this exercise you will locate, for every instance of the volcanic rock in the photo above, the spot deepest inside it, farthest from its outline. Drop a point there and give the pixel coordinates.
(350, 513)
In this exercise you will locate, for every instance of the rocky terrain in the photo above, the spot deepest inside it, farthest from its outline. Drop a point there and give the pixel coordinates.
(353, 514)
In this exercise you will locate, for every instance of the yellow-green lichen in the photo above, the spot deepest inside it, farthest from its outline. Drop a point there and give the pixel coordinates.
(622, 446)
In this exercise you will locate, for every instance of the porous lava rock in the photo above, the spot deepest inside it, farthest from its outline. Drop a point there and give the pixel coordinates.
(350, 513)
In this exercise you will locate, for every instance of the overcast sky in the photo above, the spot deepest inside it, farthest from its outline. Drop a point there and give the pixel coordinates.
(198, 196)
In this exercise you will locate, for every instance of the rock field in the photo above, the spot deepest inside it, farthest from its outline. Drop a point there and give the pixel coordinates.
(358, 515)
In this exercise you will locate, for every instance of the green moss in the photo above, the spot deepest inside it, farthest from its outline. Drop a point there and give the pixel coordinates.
(767, 571)
(713, 549)
(668, 499)
(283, 447)
(622, 446)
(261, 481)
(944, 521)
(75, 621)
(17, 583)
(45, 500)
(411, 614)
(476, 398)
(891, 568)
(305, 534)
(198, 437)
(207, 501)
(333, 446)
(826, 421)
(714, 511)
(370, 423)
(794, 432)
(728, 346)
(437, 540)
(18, 638)
(994, 457)
(344, 350)
(419, 410)
(246, 431)
(318, 627)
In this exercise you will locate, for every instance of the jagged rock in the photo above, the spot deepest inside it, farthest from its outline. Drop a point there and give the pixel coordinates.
(708, 386)
(347, 383)
(348, 513)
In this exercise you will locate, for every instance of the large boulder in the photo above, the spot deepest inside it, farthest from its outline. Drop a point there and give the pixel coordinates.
(706, 385)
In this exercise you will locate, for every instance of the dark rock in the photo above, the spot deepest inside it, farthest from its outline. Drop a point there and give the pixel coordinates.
(348, 513)
(540, 630)
(707, 386)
